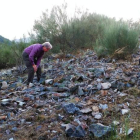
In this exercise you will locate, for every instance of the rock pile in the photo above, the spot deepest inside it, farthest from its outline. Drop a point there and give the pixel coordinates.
(79, 98)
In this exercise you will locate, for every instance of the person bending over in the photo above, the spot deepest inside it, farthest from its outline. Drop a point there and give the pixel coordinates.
(32, 56)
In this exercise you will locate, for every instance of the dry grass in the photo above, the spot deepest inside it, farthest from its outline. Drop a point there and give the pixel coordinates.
(133, 91)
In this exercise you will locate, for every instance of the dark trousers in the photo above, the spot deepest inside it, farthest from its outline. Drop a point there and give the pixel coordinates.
(30, 68)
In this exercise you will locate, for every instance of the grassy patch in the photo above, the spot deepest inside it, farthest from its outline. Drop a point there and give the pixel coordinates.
(133, 91)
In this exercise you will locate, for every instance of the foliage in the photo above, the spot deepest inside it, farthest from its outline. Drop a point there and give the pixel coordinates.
(86, 30)
(119, 35)
(11, 55)
(69, 34)
(5, 54)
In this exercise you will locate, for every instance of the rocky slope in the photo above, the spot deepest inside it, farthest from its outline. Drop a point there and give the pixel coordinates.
(80, 98)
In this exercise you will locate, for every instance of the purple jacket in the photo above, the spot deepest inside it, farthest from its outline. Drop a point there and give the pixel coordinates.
(35, 51)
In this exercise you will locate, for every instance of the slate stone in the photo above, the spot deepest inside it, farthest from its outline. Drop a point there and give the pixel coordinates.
(38, 127)
(80, 79)
(98, 72)
(42, 81)
(57, 85)
(99, 86)
(106, 85)
(31, 97)
(138, 74)
(60, 95)
(127, 85)
(68, 55)
(14, 129)
(19, 79)
(5, 102)
(99, 130)
(59, 117)
(86, 110)
(114, 84)
(128, 73)
(133, 80)
(52, 89)
(8, 132)
(13, 85)
(40, 89)
(80, 91)
(69, 130)
(70, 108)
(4, 85)
(103, 106)
(49, 81)
(62, 89)
(120, 86)
(54, 138)
(74, 89)
(42, 138)
(43, 94)
(79, 132)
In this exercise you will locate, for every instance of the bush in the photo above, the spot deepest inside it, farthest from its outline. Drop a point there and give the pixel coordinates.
(11, 55)
(117, 36)
(70, 34)
(5, 56)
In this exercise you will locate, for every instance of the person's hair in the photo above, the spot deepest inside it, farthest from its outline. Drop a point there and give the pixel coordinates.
(47, 45)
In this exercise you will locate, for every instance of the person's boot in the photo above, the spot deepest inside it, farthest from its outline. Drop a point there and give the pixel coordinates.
(38, 79)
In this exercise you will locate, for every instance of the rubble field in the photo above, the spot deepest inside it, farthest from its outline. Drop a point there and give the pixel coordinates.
(80, 98)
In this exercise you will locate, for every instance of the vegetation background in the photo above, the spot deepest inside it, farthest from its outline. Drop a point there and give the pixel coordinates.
(82, 31)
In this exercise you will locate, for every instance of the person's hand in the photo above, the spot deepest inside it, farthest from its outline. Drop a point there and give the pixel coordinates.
(35, 68)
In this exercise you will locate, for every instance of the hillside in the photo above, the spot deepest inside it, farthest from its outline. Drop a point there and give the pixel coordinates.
(3, 39)
(84, 98)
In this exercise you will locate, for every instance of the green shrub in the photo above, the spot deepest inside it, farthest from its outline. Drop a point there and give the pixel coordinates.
(77, 32)
(117, 36)
(11, 55)
(6, 57)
